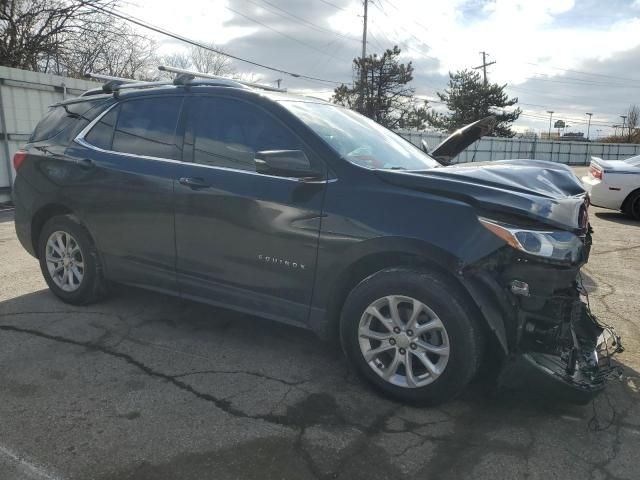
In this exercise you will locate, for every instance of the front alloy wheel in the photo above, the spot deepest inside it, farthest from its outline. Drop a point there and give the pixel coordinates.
(413, 334)
(403, 341)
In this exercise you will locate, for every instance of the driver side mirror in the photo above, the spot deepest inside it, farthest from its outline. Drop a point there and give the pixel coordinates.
(425, 146)
(285, 163)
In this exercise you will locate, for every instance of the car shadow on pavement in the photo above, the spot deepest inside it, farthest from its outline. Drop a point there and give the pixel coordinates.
(6, 215)
(139, 361)
(617, 217)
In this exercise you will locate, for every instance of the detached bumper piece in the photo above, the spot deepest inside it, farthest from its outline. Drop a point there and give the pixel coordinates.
(570, 360)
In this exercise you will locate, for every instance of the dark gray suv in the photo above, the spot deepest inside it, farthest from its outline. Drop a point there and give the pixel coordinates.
(297, 210)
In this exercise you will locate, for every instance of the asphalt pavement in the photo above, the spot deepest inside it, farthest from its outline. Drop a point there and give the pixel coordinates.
(144, 386)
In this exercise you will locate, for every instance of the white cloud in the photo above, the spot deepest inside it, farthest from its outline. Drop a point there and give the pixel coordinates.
(438, 36)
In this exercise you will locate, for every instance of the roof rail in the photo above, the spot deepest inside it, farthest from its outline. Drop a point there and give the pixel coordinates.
(183, 77)
(182, 71)
(108, 78)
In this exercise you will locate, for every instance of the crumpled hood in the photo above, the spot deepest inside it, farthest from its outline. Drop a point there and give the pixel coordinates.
(541, 191)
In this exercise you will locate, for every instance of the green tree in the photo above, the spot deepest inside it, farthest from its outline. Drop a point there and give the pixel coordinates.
(385, 95)
(468, 99)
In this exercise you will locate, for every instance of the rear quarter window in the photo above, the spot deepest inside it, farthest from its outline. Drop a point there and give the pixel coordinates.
(69, 118)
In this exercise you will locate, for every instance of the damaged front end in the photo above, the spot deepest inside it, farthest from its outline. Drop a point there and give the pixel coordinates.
(538, 309)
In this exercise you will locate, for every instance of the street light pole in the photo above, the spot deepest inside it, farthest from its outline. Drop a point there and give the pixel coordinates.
(589, 126)
(624, 122)
(550, 112)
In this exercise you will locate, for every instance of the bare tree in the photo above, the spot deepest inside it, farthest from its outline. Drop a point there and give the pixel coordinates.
(107, 47)
(207, 61)
(131, 56)
(178, 60)
(34, 34)
(633, 120)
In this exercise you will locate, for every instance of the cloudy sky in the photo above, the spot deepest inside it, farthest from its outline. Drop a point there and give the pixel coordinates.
(569, 56)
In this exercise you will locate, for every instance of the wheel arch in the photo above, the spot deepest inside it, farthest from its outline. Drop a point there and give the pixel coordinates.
(42, 215)
(623, 207)
(439, 262)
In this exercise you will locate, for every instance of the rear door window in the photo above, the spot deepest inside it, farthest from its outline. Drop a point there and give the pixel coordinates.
(147, 127)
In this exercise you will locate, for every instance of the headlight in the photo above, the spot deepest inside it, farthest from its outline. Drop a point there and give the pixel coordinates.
(553, 244)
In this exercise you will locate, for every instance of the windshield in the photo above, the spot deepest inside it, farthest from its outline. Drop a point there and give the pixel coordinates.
(359, 139)
(635, 161)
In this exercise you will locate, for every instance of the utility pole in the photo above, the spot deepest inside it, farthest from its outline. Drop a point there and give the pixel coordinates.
(550, 112)
(589, 125)
(278, 82)
(363, 73)
(484, 66)
(624, 122)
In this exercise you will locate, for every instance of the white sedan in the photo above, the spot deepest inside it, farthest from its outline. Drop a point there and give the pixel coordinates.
(615, 184)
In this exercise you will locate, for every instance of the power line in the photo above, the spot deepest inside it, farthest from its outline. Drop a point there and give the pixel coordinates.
(404, 44)
(148, 26)
(578, 81)
(334, 5)
(574, 121)
(388, 2)
(303, 20)
(580, 72)
(381, 9)
(247, 17)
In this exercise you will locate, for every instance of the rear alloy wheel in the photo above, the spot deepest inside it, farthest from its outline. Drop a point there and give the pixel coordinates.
(69, 261)
(412, 334)
(65, 262)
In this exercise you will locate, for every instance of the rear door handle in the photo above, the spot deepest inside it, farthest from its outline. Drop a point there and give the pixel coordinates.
(86, 163)
(195, 183)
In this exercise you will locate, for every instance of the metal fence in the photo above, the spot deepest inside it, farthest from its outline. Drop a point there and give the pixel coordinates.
(489, 148)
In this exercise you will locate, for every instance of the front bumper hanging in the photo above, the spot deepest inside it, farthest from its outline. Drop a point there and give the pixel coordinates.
(570, 361)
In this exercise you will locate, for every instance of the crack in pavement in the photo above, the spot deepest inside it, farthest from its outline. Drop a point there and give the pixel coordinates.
(603, 299)
(242, 372)
(621, 249)
(222, 404)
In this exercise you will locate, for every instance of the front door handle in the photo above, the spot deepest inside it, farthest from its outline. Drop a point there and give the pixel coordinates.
(195, 183)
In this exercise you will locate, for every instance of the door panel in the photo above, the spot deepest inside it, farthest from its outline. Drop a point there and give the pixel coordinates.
(244, 240)
(127, 196)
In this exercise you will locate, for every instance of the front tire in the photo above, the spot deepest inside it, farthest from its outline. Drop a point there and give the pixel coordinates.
(69, 261)
(411, 334)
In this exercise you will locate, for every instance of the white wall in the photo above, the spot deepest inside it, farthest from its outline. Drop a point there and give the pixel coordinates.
(24, 98)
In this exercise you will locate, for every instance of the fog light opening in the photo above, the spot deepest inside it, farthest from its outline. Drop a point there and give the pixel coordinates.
(518, 287)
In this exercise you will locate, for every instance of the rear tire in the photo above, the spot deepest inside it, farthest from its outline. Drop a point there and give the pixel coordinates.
(632, 205)
(69, 261)
(426, 357)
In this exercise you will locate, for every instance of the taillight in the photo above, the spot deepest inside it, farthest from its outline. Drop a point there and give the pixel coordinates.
(595, 173)
(18, 158)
